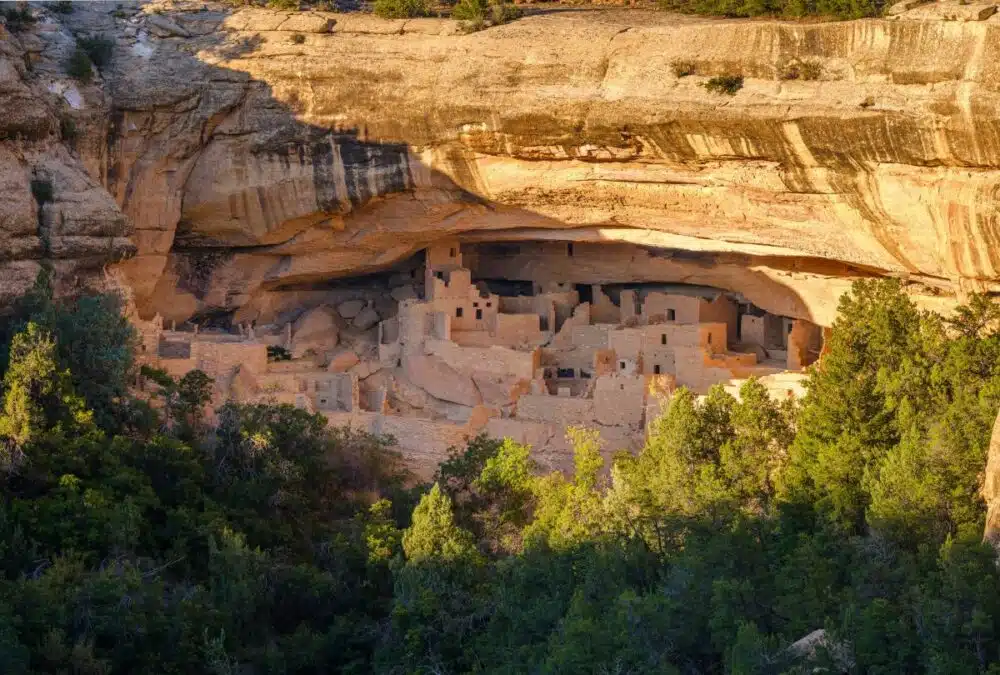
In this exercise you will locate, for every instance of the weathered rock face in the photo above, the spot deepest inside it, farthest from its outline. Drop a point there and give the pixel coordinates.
(251, 161)
(52, 212)
(991, 488)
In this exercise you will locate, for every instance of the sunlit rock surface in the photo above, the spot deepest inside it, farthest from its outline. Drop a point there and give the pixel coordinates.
(250, 161)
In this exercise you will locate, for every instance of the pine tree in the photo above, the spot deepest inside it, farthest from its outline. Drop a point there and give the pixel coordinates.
(37, 394)
(433, 535)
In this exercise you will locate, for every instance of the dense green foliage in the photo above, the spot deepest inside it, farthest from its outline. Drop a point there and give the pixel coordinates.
(838, 9)
(99, 49)
(480, 13)
(78, 66)
(17, 18)
(401, 9)
(164, 537)
(724, 84)
(137, 537)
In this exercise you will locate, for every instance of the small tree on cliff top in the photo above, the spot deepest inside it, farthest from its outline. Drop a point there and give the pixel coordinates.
(401, 9)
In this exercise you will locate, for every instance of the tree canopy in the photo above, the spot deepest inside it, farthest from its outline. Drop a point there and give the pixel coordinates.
(153, 534)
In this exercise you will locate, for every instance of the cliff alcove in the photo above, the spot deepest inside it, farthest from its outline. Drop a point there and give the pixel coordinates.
(231, 175)
(242, 160)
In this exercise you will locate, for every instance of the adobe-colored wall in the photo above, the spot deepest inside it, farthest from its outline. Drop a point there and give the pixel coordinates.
(469, 304)
(698, 370)
(654, 356)
(619, 400)
(721, 310)
(602, 309)
(626, 342)
(580, 359)
(443, 255)
(220, 359)
(499, 360)
(752, 330)
(423, 443)
(413, 322)
(177, 368)
(556, 409)
(687, 308)
(579, 318)
(515, 329)
(594, 336)
(805, 343)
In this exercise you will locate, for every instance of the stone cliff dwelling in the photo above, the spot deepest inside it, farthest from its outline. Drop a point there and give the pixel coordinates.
(484, 338)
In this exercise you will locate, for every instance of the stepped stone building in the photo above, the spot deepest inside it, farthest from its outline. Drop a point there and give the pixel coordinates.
(458, 358)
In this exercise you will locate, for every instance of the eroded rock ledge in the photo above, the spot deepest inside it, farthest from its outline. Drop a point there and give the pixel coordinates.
(53, 211)
(251, 160)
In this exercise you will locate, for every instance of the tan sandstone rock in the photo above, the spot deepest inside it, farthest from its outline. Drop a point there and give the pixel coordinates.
(52, 210)
(440, 380)
(342, 360)
(991, 488)
(351, 308)
(316, 331)
(365, 319)
(246, 163)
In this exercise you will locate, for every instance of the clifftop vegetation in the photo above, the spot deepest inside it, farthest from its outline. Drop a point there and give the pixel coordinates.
(138, 536)
(833, 9)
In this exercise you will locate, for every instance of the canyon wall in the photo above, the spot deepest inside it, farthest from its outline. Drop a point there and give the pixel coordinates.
(54, 212)
(256, 150)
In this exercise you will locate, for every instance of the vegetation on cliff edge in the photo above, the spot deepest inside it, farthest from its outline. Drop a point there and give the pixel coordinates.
(836, 9)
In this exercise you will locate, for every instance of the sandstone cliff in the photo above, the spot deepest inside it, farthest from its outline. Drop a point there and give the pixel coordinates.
(255, 150)
(991, 488)
(52, 211)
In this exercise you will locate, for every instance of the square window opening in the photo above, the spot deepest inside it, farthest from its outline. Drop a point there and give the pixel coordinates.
(458, 312)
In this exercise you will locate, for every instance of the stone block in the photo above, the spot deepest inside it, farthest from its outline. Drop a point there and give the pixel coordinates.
(342, 360)
(440, 380)
(401, 293)
(315, 330)
(308, 22)
(161, 26)
(351, 308)
(366, 319)
(905, 6)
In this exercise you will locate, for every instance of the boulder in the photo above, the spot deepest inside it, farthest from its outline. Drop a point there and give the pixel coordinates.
(366, 369)
(351, 308)
(161, 26)
(817, 642)
(440, 380)
(315, 330)
(342, 360)
(496, 390)
(366, 319)
(401, 293)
